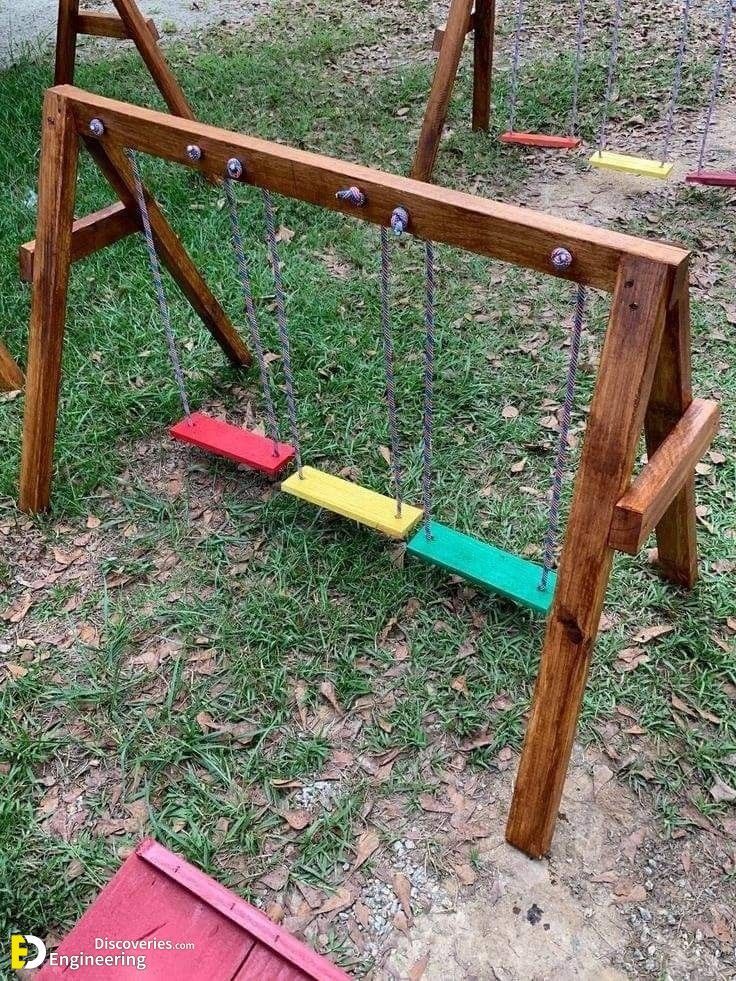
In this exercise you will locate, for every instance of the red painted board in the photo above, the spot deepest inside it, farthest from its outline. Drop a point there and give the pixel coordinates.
(157, 896)
(539, 139)
(240, 445)
(714, 178)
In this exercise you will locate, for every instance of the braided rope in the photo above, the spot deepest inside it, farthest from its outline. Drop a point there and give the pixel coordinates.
(250, 311)
(580, 34)
(353, 195)
(612, 62)
(553, 520)
(676, 81)
(718, 71)
(273, 254)
(155, 265)
(515, 63)
(388, 361)
(429, 351)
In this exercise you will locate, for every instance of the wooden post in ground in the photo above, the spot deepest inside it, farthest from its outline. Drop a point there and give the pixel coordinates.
(56, 194)
(11, 377)
(627, 366)
(484, 27)
(435, 114)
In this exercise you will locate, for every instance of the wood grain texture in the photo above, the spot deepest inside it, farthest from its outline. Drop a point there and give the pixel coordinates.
(66, 42)
(671, 395)
(89, 234)
(627, 366)
(11, 377)
(108, 25)
(147, 45)
(439, 33)
(114, 165)
(443, 82)
(56, 193)
(484, 28)
(500, 231)
(663, 476)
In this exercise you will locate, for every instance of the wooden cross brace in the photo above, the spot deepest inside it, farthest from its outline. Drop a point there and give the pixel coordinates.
(643, 381)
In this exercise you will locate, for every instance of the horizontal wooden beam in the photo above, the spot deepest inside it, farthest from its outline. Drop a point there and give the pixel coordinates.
(663, 477)
(500, 231)
(11, 377)
(439, 32)
(108, 25)
(89, 234)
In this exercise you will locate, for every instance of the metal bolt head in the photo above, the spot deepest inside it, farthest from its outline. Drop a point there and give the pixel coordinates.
(561, 258)
(234, 168)
(96, 127)
(194, 152)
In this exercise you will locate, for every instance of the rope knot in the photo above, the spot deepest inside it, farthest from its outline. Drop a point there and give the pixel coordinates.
(352, 195)
(399, 220)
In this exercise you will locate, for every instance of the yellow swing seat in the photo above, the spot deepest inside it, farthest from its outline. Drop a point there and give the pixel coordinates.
(353, 501)
(629, 164)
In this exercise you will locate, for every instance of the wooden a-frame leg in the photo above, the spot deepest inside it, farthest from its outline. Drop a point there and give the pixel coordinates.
(483, 32)
(442, 84)
(149, 50)
(66, 42)
(11, 377)
(56, 194)
(671, 395)
(114, 165)
(616, 418)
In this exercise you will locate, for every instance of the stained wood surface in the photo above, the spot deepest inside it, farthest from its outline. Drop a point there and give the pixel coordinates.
(540, 140)
(157, 895)
(11, 377)
(627, 365)
(483, 564)
(443, 82)
(114, 165)
(352, 501)
(56, 193)
(501, 231)
(239, 445)
(439, 33)
(663, 476)
(671, 395)
(66, 42)
(108, 25)
(483, 23)
(147, 45)
(89, 234)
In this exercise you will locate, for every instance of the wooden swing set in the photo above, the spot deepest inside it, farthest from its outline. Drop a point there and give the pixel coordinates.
(643, 381)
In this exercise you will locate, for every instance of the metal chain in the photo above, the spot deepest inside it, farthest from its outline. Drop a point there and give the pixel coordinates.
(427, 426)
(716, 80)
(250, 311)
(515, 63)
(163, 305)
(613, 60)
(553, 520)
(273, 254)
(388, 360)
(676, 81)
(578, 64)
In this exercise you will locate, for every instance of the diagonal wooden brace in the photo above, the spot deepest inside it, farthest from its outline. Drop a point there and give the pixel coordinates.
(641, 508)
(11, 377)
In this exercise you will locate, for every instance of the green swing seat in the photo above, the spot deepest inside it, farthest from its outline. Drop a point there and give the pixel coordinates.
(500, 572)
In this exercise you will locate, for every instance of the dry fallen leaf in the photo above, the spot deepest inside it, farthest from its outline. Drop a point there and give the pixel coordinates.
(402, 889)
(366, 845)
(416, 971)
(327, 689)
(510, 412)
(649, 633)
(297, 819)
(466, 874)
(721, 791)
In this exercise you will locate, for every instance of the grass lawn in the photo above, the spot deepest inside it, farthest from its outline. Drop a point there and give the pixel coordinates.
(178, 636)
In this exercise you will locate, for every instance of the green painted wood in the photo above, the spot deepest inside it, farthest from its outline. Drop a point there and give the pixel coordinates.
(501, 572)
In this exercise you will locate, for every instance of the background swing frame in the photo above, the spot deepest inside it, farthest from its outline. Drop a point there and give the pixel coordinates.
(643, 381)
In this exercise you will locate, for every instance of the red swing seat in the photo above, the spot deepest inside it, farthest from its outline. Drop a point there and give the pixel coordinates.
(540, 140)
(239, 445)
(713, 178)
